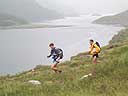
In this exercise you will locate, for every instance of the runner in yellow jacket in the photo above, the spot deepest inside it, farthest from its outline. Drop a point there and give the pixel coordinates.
(94, 50)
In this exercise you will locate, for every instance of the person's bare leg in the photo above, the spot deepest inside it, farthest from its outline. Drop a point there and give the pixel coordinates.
(55, 69)
(58, 61)
(95, 60)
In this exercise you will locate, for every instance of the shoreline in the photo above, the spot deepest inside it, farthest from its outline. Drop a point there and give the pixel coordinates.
(40, 65)
(33, 26)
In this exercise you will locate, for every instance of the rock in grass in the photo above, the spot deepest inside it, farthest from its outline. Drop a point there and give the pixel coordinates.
(85, 76)
(34, 82)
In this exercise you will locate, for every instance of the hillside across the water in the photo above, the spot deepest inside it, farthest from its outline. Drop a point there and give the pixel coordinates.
(120, 19)
(28, 10)
(8, 20)
(110, 79)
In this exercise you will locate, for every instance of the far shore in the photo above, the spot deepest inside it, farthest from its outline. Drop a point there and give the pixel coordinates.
(33, 26)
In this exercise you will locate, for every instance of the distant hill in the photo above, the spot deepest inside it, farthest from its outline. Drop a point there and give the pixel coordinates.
(59, 6)
(28, 10)
(118, 19)
(8, 20)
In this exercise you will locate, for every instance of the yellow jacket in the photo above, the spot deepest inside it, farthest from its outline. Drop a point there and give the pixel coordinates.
(94, 49)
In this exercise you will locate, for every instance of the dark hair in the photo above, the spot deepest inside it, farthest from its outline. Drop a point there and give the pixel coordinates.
(51, 44)
(91, 40)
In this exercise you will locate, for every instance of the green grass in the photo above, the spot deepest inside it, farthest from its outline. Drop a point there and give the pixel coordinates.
(121, 37)
(111, 77)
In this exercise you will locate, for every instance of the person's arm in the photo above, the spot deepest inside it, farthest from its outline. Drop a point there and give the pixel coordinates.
(91, 49)
(51, 53)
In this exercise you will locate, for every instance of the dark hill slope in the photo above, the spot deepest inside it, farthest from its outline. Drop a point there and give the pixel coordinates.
(8, 20)
(119, 19)
(28, 10)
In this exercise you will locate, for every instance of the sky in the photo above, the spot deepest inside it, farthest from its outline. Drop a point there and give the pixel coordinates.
(91, 6)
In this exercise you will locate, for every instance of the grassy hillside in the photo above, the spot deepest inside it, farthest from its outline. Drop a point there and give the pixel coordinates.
(121, 37)
(111, 78)
(118, 19)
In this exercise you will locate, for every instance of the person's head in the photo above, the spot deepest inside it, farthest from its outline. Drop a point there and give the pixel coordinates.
(91, 41)
(51, 45)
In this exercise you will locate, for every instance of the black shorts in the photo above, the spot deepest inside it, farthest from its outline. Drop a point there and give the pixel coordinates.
(95, 55)
(60, 56)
